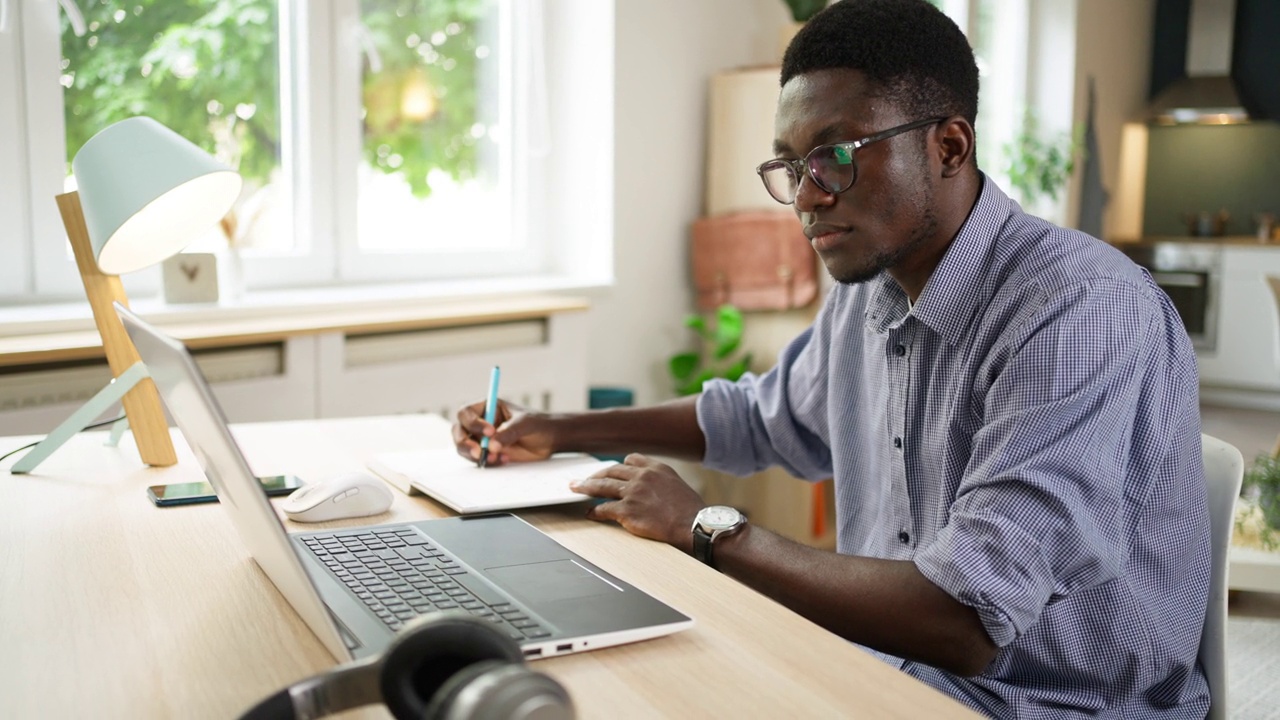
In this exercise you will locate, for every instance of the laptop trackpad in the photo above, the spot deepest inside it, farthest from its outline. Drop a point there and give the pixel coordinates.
(550, 581)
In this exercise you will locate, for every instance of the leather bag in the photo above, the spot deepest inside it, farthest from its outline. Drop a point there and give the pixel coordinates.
(757, 260)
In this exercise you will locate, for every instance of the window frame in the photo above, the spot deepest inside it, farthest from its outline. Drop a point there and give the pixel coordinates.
(15, 221)
(319, 67)
(1034, 61)
(355, 265)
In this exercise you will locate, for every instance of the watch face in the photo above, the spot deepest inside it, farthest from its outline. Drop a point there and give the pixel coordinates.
(718, 517)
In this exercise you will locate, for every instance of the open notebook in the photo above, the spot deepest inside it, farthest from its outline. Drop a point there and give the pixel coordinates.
(458, 483)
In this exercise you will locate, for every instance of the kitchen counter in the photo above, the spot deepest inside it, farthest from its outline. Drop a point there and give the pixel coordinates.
(1221, 287)
(1218, 240)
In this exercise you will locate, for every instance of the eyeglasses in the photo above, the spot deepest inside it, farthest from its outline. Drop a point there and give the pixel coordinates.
(831, 167)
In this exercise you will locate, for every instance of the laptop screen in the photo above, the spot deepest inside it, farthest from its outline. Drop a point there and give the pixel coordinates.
(191, 402)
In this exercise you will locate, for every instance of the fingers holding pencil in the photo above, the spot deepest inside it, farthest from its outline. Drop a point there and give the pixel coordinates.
(515, 435)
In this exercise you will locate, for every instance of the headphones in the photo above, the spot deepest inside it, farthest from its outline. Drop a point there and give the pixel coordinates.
(443, 666)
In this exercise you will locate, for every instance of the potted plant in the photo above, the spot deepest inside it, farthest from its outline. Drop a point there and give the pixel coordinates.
(802, 10)
(717, 354)
(1261, 488)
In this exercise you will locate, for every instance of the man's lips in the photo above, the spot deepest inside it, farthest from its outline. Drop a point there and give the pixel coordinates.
(824, 235)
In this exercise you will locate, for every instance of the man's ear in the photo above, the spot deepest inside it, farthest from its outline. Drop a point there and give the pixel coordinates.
(955, 144)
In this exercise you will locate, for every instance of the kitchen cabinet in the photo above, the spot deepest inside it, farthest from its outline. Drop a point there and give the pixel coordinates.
(1245, 355)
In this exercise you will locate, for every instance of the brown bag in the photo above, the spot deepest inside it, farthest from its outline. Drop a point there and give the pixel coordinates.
(758, 260)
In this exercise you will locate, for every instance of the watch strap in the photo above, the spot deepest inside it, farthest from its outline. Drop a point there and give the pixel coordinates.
(702, 546)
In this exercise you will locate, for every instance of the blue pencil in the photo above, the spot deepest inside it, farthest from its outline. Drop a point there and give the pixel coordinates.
(490, 412)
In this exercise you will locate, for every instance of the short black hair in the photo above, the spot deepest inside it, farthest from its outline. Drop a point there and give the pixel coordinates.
(914, 52)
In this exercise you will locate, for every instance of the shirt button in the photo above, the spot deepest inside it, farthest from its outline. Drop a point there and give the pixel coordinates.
(897, 442)
(900, 350)
(904, 537)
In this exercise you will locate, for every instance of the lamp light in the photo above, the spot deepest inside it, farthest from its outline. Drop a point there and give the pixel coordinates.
(145, 192)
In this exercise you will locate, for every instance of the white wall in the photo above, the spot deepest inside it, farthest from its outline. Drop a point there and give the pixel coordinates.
(666, 53)
(1113, 44)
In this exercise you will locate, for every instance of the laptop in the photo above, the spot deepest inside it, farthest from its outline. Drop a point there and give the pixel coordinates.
(355, 587)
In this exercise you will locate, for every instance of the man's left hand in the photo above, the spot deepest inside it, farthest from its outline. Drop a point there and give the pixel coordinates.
(647, 498)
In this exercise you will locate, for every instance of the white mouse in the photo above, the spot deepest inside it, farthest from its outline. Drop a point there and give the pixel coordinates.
(349, 495)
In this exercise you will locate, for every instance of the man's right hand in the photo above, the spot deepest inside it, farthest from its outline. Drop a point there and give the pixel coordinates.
(519, 436)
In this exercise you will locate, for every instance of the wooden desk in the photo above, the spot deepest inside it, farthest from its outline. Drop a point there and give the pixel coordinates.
(114, 608)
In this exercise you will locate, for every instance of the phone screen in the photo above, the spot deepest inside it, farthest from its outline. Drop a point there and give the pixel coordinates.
(201, 492)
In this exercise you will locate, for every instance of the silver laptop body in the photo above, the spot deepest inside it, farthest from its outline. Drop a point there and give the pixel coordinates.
(355, 587)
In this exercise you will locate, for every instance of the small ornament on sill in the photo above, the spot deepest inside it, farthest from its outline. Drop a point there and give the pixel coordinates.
(191, 278)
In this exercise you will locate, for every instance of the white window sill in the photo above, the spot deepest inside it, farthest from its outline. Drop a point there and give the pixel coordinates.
(28, 320)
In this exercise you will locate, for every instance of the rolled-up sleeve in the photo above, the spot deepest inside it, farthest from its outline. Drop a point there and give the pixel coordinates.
(1039, 510)
(777, 418)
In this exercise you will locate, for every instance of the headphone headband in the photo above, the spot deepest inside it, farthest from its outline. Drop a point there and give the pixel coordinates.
(445, 666)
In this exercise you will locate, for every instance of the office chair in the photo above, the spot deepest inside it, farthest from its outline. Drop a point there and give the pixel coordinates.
(1223, 473)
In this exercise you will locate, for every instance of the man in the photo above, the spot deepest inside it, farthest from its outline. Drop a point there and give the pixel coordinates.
(1009, 409)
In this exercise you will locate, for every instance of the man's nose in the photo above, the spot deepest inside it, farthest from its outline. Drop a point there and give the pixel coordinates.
(810, 196)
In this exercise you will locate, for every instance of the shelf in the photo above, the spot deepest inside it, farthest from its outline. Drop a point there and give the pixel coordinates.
(1252, 569)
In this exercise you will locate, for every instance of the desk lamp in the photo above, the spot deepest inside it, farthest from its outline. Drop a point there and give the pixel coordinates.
(145, 192)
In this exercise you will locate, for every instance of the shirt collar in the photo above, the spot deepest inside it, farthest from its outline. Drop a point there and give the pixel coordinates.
(950, 297)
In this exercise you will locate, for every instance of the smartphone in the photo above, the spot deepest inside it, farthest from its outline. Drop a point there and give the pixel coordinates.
(189, 493)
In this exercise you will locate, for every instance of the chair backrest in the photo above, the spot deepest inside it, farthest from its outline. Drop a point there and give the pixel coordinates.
(1223, 473)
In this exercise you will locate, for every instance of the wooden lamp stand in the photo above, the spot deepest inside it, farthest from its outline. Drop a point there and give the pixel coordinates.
(132, 385)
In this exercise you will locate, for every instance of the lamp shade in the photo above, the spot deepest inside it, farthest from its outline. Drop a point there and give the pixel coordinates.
(147, 192)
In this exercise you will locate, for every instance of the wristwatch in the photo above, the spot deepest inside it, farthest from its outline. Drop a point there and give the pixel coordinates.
(712, 522)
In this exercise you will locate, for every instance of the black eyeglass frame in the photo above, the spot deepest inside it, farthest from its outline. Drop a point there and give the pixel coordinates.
(799, 167)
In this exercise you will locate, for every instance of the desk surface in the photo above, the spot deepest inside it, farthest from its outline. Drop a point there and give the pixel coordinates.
(115, 608)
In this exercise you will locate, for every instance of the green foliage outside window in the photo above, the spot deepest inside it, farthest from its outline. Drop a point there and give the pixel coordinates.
(209, 71)
(1040, 165)
(412, 57)
(185, 65)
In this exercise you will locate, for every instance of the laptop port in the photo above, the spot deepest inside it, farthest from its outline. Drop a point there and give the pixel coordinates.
(566, 647)
(533, 652)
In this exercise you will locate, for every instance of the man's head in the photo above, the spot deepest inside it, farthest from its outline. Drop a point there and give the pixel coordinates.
(856, 70)
(914, 53)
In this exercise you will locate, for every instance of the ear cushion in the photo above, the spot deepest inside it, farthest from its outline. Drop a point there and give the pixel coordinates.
(489, 690)
(428, 652)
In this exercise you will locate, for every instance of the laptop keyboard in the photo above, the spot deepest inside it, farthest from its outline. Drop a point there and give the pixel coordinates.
(399, 574)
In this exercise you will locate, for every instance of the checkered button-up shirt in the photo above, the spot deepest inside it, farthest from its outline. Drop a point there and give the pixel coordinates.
(1028, 435)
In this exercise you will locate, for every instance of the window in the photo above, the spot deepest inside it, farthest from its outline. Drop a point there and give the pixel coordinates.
(15, 259)
(1025, 53)
(379, 140)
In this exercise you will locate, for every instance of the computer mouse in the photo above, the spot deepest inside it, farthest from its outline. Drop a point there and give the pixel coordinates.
(354, 494)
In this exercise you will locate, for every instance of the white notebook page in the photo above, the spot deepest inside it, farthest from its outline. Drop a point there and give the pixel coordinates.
(459, 484)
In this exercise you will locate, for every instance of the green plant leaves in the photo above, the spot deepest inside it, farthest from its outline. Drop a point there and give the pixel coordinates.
(739, 368)
(718, 343)
(802, 10)
(198, 68)
(683, 365)
(1040, 165)
(728, 334)
(1262, 481)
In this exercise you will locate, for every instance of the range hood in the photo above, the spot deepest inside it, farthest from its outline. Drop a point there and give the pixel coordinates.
(1206, 95)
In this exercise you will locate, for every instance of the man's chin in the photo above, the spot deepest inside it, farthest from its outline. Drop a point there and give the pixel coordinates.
(853, 276)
